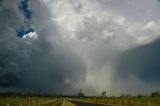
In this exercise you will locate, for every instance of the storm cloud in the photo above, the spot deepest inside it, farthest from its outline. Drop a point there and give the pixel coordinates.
(93, 45)
(35, 66)
(140, 66)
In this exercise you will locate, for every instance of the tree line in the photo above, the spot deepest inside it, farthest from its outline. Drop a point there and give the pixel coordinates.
(103, 94)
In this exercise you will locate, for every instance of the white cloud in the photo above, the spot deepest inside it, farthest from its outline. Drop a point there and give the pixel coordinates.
(31, 35)
(120, 19)
(87, 21)
(144, 32)
(150, 25)
(91, 31)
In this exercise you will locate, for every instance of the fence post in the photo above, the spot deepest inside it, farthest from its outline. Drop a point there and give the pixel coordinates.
(21, 104)
(34, 103)
(149, 103)
(125, 102)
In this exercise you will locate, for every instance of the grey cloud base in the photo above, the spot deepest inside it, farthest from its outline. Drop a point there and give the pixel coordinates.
(138, 68)
(34, 66)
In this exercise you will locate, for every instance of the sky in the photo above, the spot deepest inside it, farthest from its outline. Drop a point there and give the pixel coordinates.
(93, 45)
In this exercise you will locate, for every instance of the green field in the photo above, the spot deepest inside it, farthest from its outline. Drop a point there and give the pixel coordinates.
(16, 101)
(133, 101)
(122, 101)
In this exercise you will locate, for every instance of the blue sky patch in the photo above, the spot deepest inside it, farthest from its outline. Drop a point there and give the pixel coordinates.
(26, 28)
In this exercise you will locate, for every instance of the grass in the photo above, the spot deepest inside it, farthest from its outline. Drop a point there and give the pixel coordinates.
(54, 103)
(12, 101)
(67, 103)
(133, 101)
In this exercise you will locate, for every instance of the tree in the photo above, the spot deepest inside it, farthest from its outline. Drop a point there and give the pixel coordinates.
(155, 94)
(122, 96)
(103, 94)
(139, 96)
(80, 93)
(128, 95)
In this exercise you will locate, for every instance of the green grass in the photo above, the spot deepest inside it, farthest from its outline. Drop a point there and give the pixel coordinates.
(133, 101)
(54, 103)
(67, 103)
(29, 101)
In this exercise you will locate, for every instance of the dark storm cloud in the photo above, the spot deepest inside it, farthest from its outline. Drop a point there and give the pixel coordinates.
(40, 65)
(142, 62)
(0, 2)
(23, 7)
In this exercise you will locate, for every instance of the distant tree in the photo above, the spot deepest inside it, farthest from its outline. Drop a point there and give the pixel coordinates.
(103, 94)
(139, 96)
(128, 95)
(155, 94)
(122, 96)
(80, 93)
